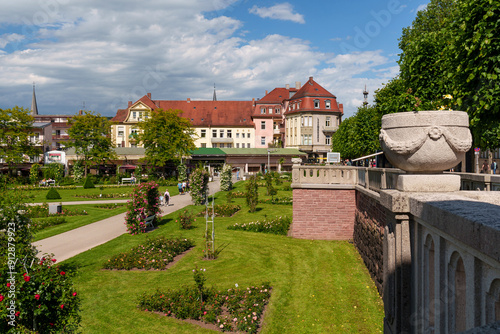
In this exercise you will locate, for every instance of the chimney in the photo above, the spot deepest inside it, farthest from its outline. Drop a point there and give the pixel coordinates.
(149, 95)
(189, 100)
(266, 92)
(80, 112)
(297, 84)
(129, 104)
(310, 78)
(287, 86)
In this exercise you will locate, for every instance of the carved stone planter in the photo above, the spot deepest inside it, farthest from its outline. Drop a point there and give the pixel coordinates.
(296, 161)
(426, 142)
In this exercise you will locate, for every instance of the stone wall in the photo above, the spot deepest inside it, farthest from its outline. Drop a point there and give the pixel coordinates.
(324, 214)
(368, 238)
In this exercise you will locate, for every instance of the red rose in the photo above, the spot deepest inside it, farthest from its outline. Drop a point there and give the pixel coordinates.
(1, 298)
(8, 285)
(37, 296)
(27, 278)
(17, 313)
(62, 306)
(63, 273)
(54, 260)
(74, 294)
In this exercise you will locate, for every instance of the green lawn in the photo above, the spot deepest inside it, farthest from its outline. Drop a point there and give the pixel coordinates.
(318, 286)
(68, 195)
(94, 215)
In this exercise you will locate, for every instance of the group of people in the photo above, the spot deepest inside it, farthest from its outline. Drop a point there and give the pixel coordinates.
(46, 182)
(183, 187)
(485, 168)
(165, 199)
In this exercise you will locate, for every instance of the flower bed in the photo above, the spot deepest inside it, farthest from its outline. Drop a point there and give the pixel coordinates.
(278, 200)
(41, 211)
(230, 310)
(109, 206)
(222, 210)
(238, 194)
(278, 225)
(113, 195)
(155, 253)
(40, 224)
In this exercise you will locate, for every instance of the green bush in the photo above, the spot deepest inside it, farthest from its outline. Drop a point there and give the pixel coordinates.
(186, 220)
(252, 194)
(278, 225)
(226, 182)
(88, 183)
(53, 194)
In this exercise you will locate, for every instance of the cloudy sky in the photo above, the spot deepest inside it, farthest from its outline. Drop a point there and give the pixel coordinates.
(101, 54)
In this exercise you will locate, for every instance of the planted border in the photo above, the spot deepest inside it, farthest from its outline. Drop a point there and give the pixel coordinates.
(278, 225)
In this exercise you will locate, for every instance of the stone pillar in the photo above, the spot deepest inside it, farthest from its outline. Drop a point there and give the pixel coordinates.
(397, 264)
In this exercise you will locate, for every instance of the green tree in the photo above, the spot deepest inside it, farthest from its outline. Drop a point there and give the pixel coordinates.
(16, 127)
(252, 194)
(34, 173)
(166, 137)
(90, 135)
(358, 135)
(474, 67)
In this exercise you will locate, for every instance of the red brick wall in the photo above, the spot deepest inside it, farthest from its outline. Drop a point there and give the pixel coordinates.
(325, 214)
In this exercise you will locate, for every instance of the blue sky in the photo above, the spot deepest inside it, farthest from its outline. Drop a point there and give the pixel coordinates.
(103, 54)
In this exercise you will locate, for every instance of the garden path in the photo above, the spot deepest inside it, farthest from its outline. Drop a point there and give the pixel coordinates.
(71, 243)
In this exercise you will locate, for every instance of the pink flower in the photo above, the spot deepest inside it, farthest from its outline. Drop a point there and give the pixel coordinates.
(63, 273)
(1, 298)
(74, 294)
(62, 306)
(37, 296)
(27, 278)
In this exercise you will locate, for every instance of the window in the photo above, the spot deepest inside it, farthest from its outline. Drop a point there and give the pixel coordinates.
(214, 145)
(229, 133)
(121, 130)
(237, 135)
(203, 145)
(214, 133)
(248, 135)
(237, 145)
(316, 104)
(221, 133)
(242, 135)
(327, 140)
(133, 144)
(327, 123)
(263, 140)
(306, 139)
(270, 110)
(327, 104)
(146, 115)
(203, 133)
(262, 125)
(134, 115)
(277, 110)
(248, 145)
(262, 110)
(229, 145)
(221, 145)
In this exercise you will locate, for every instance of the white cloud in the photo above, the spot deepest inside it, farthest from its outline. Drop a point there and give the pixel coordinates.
(420, 7)
(9, 38)
(283, 11)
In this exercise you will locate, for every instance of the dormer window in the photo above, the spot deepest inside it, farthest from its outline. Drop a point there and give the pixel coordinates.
(316, 104)
(134, 115)
(327, 104)
(263, 110)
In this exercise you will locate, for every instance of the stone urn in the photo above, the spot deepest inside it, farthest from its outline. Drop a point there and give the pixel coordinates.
(296, 161)
(426, 142)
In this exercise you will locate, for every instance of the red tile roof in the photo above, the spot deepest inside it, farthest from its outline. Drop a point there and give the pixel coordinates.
(312, 89)
(277, 96)
(121, 115)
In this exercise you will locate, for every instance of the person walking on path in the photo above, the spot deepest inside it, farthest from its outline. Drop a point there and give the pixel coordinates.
(494, 167)
(166, 196)
(179, 186)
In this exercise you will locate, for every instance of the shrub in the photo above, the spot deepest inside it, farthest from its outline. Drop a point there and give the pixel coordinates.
(155, 253)
(42, 223)
(252, 194)
(34, 174)
(287, 187)
(278, 225)
(145, 202)
(226, 182)
(88, 183)
(278, 200)
(186, 220)
(199, 185)
(53, 194)
(269, 185)
(181, 170)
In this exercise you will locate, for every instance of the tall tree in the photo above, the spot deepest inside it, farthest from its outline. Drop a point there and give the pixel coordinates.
(166, 137)
(474, 67)
(91, 137)
(16, 127)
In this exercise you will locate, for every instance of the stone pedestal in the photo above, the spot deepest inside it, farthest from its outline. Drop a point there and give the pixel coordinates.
(428, 183)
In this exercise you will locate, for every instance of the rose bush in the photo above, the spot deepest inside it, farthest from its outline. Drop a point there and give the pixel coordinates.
(145, 202)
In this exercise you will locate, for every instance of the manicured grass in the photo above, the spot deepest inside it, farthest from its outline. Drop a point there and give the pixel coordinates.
(94, 215)
(68, 195)
(318, 286)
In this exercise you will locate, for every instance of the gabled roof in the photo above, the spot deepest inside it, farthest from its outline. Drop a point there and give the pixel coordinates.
(277, 96)
(312, 89)
(121, 115)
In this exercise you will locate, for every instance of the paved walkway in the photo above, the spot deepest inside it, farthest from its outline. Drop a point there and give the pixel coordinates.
(71, 243)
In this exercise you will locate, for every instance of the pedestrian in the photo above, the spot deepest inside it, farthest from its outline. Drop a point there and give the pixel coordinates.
(179, 186)
(494, 167)
(184, 184)
(485, 168)
(166, 196)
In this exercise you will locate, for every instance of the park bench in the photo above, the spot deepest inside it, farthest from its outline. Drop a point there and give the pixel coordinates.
(150, 220)
(127, 180)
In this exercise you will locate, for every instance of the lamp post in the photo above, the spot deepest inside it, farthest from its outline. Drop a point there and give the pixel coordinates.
(268, 160)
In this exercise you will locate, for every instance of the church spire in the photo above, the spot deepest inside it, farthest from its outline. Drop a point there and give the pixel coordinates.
(34, 108)
(215, 96)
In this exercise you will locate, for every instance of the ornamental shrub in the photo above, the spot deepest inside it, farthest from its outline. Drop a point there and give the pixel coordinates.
(34, 173)
(181, 170)
(35, 295)
(252, 194)
(145, 202)
(78, 171)
(53, 194)
(199, 185)
(226, 182)
(88, 183)
(186, 220)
